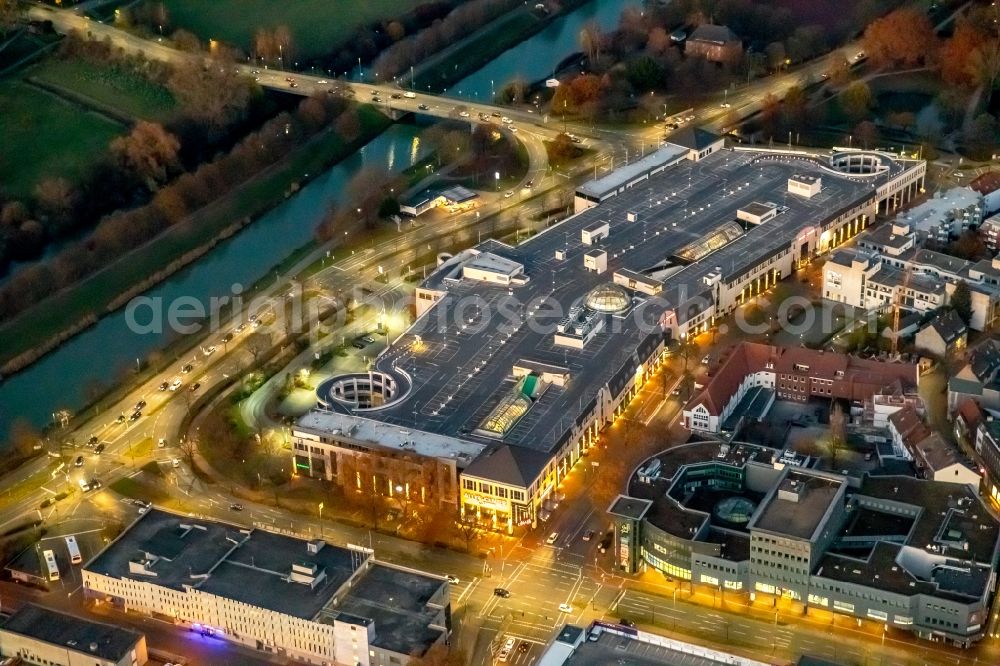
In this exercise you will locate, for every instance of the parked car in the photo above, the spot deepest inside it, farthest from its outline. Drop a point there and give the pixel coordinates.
(409, 95)
(552, 538)
(523, 647)
(588, 535)
(235, 507)
(369, 339)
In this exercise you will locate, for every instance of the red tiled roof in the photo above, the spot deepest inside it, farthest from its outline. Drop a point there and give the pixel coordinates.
(852, 378)
(910, 426)
(988, 182)
(970, 412)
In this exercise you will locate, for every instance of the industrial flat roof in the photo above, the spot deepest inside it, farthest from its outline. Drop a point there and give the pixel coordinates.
(392, 437)
(797, 505)
(96, 639)
(461, 352)
(623, 175)
(251, 566)
(396, 599)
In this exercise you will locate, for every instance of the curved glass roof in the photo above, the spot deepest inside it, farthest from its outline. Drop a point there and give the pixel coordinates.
(608, 297)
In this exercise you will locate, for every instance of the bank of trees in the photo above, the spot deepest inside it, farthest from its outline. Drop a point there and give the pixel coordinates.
(151, 151)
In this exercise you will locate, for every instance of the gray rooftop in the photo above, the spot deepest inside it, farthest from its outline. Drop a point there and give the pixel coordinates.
(100, 640)
(462, 365)
(251, 566)
(396, 600)
(797, 505)
(623, 175)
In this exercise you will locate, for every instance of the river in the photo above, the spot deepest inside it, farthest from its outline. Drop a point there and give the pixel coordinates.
(535, 59)
(100, 354)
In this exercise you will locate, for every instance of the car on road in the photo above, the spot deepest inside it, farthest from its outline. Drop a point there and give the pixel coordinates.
(161, 443)
(140, 405)
(239, 329)
(176, 384)
(377, 100)
(588, 535)
(92, 442)
(322, 81)
(175, 463)
(293, 84)
(552, 538)
(676, 391)
(99, 449)
(194, 387)
(120, 419)
(136, 415)
(512, 129)
(227, 337)
(369, 339)
(483, 116)
(235, 507)
(530, 184)
(164, 386)
(625, 622)
(501, 592)
(463, 114)
(725, 105)
(423, 107)
(396, 96)
(208, 351)
(453, 579)
(78, 462)
(357, 344)
(84, 485)
(508, 194)
(565, 608)
(409, 95)
(505, 120)
(187, 368)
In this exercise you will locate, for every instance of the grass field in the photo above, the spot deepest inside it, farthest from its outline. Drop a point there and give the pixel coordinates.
(317, 26)
(252, 199)
(108, 87)
(60, 138)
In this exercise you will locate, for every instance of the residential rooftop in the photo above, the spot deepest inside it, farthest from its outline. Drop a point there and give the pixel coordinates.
(94, 639)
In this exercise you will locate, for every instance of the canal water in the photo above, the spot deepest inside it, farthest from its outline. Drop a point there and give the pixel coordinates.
(97, 356)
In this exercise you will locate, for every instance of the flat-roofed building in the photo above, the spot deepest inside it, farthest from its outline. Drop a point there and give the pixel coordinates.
(678, 259)
(39, 635)
(907, 554)
(299, 598)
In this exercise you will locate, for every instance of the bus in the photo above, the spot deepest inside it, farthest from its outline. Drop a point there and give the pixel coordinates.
(74, 550)
(50, 564)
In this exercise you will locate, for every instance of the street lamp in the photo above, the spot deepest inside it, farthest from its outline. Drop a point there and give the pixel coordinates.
(320, 520)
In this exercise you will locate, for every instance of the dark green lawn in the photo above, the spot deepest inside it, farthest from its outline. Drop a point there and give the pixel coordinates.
(317, 26)
(43, 135)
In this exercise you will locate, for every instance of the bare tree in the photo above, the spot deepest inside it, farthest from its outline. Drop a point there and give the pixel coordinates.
(469, 531)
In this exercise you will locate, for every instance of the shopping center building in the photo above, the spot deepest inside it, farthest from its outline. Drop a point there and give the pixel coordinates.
(750, 520)
(521, 355)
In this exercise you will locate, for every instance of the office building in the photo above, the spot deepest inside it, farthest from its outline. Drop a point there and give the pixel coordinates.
(908, 554)
(293, 597)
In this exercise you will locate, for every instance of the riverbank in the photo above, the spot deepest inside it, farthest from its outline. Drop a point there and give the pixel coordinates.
(30, 335)
(468, 56)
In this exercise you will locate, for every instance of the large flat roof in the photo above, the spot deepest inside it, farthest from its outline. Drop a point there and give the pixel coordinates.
(396, 600)
(461, 352)
(251, 566)
(623, 175)
(797, 505)
(104, 641)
